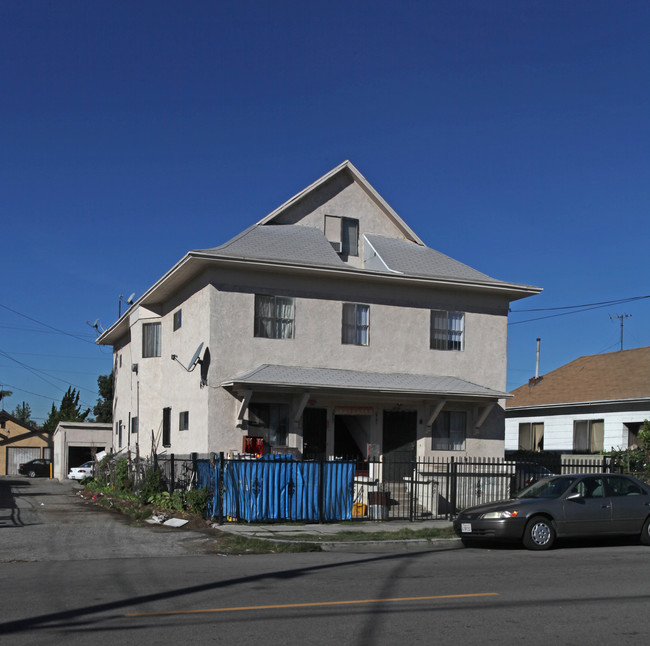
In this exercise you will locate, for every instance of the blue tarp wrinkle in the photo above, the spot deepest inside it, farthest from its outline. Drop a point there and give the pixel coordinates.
(280, 488)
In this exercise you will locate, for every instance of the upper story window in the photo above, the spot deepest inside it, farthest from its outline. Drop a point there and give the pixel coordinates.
(448, 433)
(184, 421)
(150, 340)
(356, 324)
(178, 319)
(343, 233)
(588, 435)
(447, 330)
(274, 317)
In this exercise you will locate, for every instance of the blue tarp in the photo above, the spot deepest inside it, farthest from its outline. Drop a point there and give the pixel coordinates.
(280, 488)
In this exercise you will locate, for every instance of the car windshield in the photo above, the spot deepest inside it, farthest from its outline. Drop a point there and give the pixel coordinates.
(548, 488)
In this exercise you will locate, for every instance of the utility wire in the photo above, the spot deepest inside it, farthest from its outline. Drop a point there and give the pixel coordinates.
(29, 318)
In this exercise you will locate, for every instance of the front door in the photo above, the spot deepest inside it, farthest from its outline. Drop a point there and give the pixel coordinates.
(399, 444)
(314, 433)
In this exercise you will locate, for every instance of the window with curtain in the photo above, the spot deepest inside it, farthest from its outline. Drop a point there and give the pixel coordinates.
(274, 317)
(356, 324)
(531, 436)
(447, 330)
(449, 430)
(150, 340)
(588, 435)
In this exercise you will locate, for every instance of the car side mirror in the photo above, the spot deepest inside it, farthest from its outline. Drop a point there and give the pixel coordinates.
(574, 496)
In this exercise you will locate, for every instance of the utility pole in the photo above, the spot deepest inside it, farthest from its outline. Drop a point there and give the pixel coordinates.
(621, 316)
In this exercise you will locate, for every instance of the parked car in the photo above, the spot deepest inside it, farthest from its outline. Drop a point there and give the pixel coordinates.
(86, 470)
(35, 468)
(561, 506)
(526, 473)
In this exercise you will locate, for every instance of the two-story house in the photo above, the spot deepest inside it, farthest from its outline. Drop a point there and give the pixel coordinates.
(329, 328)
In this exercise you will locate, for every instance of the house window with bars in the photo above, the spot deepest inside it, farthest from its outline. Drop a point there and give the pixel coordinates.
(447, 330)
(274, 317)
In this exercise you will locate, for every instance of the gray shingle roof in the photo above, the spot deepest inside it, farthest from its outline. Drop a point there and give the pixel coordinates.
(412, 259)
(283, 243)
(329, 378)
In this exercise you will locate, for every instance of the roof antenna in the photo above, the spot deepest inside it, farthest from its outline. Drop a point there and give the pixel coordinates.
(621, 316)
(128, 301)
(97, 326)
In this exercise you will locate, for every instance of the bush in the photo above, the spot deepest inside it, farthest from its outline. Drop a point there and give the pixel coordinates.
(153, 483)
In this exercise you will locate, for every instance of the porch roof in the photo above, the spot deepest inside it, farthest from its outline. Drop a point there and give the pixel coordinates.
(275, 377)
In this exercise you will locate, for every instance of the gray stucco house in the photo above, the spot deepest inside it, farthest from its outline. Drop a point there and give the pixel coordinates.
(326, 329)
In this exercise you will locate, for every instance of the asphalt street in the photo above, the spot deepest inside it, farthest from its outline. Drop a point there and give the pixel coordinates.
(99, 580)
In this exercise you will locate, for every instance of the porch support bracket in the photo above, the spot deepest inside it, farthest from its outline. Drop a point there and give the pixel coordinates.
(301, 407)
(483, 416)
(244, 404)
(435, 412)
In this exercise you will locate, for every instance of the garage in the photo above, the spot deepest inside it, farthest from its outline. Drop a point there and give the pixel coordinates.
(78, 442)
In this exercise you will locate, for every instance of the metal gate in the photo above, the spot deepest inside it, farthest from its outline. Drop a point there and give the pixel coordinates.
(17, 455)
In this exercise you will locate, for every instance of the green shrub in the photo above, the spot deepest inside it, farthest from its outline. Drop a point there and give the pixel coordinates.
(152, 484)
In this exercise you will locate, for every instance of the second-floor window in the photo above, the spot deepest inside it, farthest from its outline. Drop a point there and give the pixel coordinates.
(150, 340)
(178, 319)
(274, 317)
(356, 324)
(184, 421)
(447, 330)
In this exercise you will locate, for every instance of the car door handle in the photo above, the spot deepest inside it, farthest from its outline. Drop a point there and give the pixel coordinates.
(604, 506)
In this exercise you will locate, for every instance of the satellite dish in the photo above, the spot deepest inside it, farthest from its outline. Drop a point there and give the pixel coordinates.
(195, 358)
(129, 300)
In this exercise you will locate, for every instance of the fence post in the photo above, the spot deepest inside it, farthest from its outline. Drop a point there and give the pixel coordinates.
(219, 489)
(195, 469)
(320, 489)
(412, 496)
(172, 472)
(454, 485)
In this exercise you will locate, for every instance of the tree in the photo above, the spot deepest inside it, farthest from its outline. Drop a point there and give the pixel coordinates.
(69, 411)
(5, 393)
(103, 411)
(23, 413)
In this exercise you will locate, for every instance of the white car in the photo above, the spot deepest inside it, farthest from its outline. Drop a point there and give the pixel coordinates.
(86, 470)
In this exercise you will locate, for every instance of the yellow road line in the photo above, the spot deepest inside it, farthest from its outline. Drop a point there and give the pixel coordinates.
(311, 605)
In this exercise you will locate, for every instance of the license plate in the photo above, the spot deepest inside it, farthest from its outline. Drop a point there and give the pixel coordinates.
(466, 528)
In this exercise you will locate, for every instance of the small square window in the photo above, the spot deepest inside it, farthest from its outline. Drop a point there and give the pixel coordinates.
(184, 421)
(178, 319)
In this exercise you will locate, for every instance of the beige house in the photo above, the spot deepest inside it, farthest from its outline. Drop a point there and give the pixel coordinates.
(592, 404)
(326, 329)
(20, 443)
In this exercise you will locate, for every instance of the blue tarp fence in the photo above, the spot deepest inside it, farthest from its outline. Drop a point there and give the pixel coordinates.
(279, 488)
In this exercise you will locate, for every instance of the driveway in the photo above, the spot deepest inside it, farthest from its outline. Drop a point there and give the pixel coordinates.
(46, 520)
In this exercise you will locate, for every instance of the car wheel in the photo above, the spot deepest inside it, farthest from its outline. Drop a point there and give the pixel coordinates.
(539, 534)
(645, 532)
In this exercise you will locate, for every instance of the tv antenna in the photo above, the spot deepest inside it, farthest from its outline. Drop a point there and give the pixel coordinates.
(128, 301)
(193, 361)
(621, 316)
(97, 326)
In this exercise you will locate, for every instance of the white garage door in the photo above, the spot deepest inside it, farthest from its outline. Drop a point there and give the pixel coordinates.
(18, 455)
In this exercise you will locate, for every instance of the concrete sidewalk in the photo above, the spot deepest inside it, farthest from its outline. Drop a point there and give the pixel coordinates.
(322, 534)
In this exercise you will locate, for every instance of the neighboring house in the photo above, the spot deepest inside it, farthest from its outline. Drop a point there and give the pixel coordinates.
(20, 443)
(78, 442)
(595, 403)
(326, 329)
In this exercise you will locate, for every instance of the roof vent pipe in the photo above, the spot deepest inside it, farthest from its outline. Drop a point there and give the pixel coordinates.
(537, 361)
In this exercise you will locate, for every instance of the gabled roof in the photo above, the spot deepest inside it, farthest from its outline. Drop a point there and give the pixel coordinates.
(7, 417)
(349, 168)
(274, 376)
(614, 376)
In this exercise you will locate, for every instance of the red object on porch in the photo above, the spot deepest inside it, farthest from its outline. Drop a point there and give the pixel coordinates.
(253, 444)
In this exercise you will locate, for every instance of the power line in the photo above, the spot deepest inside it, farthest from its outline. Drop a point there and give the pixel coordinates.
(29, 318)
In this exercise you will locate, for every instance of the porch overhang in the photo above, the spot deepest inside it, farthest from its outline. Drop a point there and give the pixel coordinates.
(354, 384)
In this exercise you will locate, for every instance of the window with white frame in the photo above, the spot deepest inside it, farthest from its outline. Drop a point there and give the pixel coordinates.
(356, 324)
(274, 317)
(531, 436)
(588, 435)
(184, 421)
(449, 431)
(447, 330)
(150, 340)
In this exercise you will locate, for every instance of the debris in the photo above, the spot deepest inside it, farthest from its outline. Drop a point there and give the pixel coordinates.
(175, 522)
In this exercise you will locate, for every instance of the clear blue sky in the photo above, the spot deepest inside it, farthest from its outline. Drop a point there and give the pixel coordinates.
(513, 136)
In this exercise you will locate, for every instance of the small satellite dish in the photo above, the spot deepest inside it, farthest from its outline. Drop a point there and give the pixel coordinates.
(193, 361)
(129, 300)
(195, 358)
